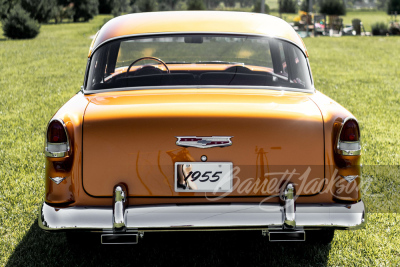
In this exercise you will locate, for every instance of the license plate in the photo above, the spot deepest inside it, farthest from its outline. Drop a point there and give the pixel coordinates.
(203, 176)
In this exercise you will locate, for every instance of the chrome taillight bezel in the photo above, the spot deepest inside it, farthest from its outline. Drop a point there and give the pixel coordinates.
(57, 150)
(348, 148)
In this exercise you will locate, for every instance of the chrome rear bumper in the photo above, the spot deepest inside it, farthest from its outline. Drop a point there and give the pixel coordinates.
(232, 216)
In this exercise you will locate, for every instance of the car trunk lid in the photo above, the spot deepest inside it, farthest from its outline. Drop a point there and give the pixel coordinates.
(130, 137)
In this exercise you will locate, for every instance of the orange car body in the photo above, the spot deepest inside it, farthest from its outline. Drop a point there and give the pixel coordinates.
(129, 137)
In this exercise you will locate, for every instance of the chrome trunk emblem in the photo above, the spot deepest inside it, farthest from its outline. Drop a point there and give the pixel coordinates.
(204, 141)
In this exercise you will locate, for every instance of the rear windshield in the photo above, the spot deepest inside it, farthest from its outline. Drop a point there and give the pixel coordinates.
(198, 60)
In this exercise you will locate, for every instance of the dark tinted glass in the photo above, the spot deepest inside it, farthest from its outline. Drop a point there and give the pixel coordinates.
(200, 60)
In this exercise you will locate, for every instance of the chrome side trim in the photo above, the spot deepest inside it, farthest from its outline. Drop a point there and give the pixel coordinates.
(50, 149)
(347, 148)
(240, 216)
(289, 221)
(120, 201)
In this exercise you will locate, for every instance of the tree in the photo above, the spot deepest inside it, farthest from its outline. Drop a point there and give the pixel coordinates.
(167, 4)
(246, 3)
(229, 3)
(40, 10)
(257, 7)
(105, 6)
(147, 5)
(19, 25)
(212, 4)
(163, 5)
(172, 4)
(195, 5)
(120, 7)
(6, 6)
(333, 7)
(85, 9)
(287, 6)
(304, 6)
(61, 12)
(382, 4)
(393, 6)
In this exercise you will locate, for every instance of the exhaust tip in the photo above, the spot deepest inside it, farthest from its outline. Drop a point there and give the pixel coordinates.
(119, 239)
(279, 236)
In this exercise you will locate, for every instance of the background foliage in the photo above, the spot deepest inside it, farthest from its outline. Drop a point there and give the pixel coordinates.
(393, 6)
(304, 6)
(257, 7)
(40, 10)
(49, 11)
(19, 25)
(195, 5)
(287, 6)
(85, 9)
(333, 7)
(379, 28)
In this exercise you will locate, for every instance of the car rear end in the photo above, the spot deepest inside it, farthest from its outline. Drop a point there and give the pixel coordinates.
(203, 140)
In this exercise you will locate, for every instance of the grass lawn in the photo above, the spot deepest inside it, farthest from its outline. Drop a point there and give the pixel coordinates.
(39, 75)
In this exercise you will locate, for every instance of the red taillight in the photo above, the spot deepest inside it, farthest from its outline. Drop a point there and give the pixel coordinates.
(56, 133)
(350, 131)
(57, 141)
(349, 139)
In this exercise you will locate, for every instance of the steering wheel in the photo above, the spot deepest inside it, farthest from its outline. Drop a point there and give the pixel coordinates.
(144, 58)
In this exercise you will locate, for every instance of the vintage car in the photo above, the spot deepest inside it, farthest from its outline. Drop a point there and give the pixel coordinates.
(201, 120)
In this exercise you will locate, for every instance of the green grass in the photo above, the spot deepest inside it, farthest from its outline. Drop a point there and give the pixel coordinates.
(361, 73)
(39, 75)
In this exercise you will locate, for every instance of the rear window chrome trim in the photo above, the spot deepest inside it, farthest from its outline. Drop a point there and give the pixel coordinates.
(309, 90)
(284, 89)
